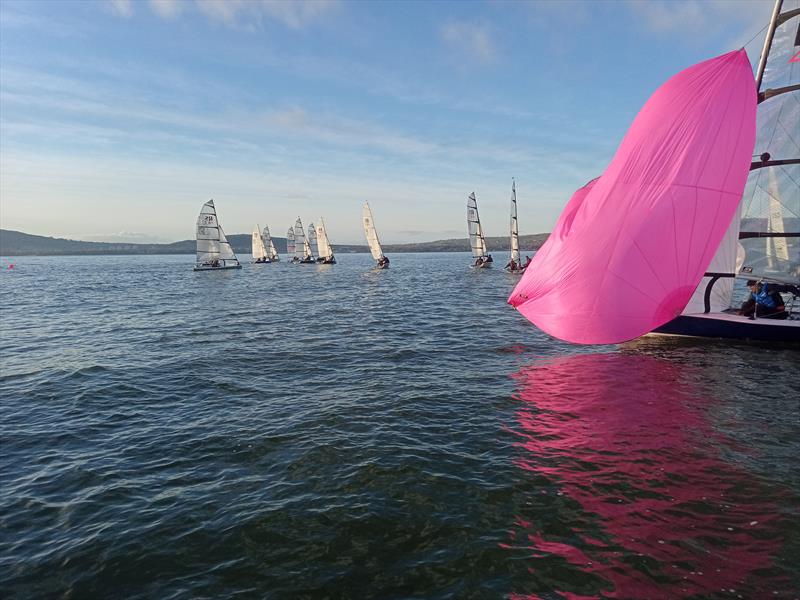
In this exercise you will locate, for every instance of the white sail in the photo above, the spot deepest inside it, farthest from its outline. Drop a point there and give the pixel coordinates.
(323, 244)
(770, 226)
(477, 241)
(372, 235)
(259, 250)
(272, 252)
(290, 242)
(213, 248)
(763, 240)
(302, 249)
(312, 240)
(514, 225)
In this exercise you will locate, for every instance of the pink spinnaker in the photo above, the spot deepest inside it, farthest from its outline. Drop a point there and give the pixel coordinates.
(631, 246)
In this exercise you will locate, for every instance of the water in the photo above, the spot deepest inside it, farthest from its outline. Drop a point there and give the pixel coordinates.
(310, 431)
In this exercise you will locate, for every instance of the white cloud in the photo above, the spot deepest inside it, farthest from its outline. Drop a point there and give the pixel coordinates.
(693, 16)
(296, 14)
(122, 8)
(167, 9)
(470, 39)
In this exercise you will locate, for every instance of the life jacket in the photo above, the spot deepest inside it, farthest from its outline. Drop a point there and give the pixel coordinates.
(765, 298)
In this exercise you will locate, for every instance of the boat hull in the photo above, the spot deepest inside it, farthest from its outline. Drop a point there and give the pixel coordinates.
(217, 268)
(732, 326)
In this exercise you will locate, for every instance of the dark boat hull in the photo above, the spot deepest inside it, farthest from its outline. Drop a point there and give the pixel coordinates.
(732, 326)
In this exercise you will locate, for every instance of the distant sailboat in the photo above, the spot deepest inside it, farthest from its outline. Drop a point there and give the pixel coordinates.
(372, 238)
(514, 263)
(324, 246)
(312, 242)
(272, 252)
(214, 252)
(259, 250)
(290, 246)
(302, 249)
(477, 241)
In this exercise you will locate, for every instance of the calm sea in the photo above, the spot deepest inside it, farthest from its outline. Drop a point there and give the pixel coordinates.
(299, 431)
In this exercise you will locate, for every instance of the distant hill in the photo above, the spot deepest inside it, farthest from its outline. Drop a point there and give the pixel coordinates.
(16, 243)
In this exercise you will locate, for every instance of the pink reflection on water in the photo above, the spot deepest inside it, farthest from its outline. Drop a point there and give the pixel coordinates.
(660, 514)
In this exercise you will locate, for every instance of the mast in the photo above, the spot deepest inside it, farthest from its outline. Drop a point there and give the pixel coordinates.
(773, 24)
(514, 223)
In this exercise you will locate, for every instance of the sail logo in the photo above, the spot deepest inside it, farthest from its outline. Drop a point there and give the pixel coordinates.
(795, 58)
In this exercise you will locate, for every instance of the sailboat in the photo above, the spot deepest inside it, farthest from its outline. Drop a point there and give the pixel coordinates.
(290, 245)
(514, 263)
(259, 250)
(214, 252)
(272, 252)
(302, 248)
(477, 241)
(312, 242)
(762, 243)
(372, 238)
(325, 255)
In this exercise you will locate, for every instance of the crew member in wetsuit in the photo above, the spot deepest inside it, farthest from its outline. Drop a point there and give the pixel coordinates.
(764, 302)
(512, 265)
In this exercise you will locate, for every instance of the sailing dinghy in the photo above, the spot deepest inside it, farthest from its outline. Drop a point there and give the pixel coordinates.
(272, 252)
(312, 242)
(259, 250)
(762, 243)
(325, 255)
(631, 246)
(372, 238)
(214, 252)
(290, 245)
(302, 248)
(477, 241)
(514, 263)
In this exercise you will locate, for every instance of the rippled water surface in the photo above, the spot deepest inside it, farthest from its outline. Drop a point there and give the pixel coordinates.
(291, 431)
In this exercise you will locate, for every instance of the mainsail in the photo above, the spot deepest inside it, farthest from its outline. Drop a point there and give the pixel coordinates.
(763, 239)
(302, 249)
(372, 235)
(290, 242)
(272, 252)
(323, 244)
(514, 224)
(476, 240)
(259, 249)
(630, 248)
(212, 245)
(770, 219)
(312, 240)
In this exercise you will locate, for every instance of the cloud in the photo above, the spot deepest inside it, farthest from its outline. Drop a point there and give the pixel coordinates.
(122, 8)
(296, 14)
(693, 16)
(167, 9)
(470, 39)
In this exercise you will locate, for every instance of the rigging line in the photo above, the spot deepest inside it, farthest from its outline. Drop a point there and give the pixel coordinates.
(759, 32)
(786, 172)
(778, 200)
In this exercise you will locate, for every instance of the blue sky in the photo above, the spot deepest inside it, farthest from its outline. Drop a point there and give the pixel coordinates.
(119, 119)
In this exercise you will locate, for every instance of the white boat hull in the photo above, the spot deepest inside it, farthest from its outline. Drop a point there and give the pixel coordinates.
(218, 268)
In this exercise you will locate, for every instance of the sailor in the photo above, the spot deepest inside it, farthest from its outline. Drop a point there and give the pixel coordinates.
(478, 261)
(512, 265)
(764, 301)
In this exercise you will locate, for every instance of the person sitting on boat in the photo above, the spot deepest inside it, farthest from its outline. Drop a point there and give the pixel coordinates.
(764, 302)
(488, 258)
(478, 261)
(512, 265)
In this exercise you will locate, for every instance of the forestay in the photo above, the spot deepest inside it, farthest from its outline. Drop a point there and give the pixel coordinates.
(630, 248)
(211, 241)
(476, 240)
(372, 235)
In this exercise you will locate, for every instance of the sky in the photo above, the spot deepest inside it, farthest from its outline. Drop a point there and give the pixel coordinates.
(120, 118)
